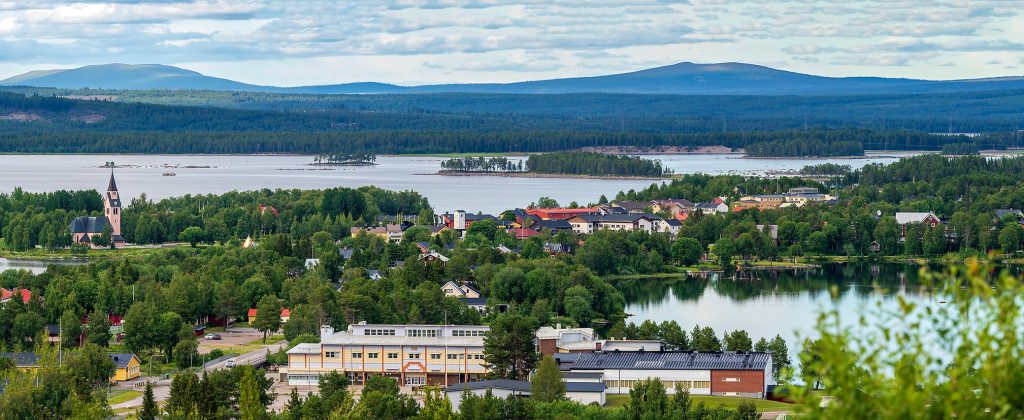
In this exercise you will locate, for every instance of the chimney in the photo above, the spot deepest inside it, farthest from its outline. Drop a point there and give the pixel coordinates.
(558, 326)
(325, 332)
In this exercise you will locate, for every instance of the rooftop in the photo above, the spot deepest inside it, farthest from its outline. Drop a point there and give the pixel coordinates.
(673, 361)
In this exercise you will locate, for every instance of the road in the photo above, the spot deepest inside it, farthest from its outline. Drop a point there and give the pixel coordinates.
(162, 387)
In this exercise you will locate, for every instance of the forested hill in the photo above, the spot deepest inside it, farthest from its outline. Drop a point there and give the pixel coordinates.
(680, 78)
(41, 124)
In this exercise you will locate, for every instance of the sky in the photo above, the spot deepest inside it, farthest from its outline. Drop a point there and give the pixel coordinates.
(297, 42)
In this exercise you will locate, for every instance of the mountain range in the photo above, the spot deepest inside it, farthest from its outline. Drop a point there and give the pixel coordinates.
(680, 79)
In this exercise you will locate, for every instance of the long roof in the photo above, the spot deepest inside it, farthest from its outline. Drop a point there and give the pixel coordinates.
(21, 359)
(640, 360)
(86, 224)
(521, 386)
(121, 360)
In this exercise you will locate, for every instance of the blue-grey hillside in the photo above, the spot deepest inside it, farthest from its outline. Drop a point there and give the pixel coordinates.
(680, 79)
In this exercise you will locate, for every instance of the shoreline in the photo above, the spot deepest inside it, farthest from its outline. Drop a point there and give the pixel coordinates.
(546, 175)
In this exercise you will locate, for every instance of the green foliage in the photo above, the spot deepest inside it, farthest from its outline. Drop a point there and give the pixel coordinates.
(268, 315)
(960, 149)
(805, 148)
(686, 251)
(546, 384)
(149, 410)
(508, 347)
(594, 164)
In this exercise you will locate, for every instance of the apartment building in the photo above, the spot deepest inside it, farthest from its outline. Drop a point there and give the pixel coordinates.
(412, 354)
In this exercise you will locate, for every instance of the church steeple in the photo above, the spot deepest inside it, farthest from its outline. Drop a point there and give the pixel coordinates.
(112, 186)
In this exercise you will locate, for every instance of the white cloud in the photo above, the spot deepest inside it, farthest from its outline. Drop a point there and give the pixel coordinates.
(493, 40)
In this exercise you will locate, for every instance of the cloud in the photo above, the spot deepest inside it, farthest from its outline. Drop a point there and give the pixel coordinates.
(473, 38)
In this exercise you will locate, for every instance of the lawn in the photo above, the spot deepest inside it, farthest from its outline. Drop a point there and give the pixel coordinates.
(120, 396)
(730, 402)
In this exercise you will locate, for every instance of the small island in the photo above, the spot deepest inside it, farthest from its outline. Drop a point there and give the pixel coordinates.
(563, 164)
(345, 159)
(799, 148)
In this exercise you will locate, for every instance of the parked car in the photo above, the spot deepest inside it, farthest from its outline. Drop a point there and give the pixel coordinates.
(212, 336)
(230, 363)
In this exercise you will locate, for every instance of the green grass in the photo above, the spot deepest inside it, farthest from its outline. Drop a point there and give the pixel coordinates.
(120, 396)
(66, 254)
(613, 401)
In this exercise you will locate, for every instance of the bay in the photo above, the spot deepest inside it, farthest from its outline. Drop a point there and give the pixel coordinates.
(214, 174)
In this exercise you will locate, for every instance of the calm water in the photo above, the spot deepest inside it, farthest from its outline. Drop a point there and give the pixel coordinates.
(219, 173)
(777, 302)
(33, 266)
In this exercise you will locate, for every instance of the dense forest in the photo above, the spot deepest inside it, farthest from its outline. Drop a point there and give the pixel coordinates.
(38, 124)
(481, 164)
(594, 164)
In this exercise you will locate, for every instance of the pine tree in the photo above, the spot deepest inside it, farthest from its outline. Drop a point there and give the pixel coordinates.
(547, 384)
(294, 405)
(149, 408)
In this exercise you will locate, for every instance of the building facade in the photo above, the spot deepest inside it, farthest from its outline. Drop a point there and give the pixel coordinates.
(412, 354)
(84, 229)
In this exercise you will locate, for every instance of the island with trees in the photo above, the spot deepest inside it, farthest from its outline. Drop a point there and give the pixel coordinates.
(565, 164)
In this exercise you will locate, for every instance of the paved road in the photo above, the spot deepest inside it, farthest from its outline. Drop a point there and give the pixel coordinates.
(162, 387)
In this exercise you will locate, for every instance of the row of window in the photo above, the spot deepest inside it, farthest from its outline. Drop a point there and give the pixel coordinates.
(468, 333)
(628, 383)
(423, 333)
(411, 356)
(375, 331)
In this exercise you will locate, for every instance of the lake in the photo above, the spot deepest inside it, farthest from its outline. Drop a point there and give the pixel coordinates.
(34, 266)
(786, 303)
(203, 174)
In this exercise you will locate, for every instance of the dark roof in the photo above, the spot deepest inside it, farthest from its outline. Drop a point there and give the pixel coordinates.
(121, 359)
(474, 301)
(673, 222)
(584, 387)
(582, 375)
(22, 359)
(346, 253)
(629, 218)
(553, 224)
(673, 361)
(508, 384)
(633, 205)
(112, 186)
(1001, 213)
(86, 224)
(52, 329)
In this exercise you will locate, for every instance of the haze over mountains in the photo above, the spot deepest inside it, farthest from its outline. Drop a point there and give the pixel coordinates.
(683, 78)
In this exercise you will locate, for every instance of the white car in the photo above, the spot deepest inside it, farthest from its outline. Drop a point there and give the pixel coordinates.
(230, 363)
(208, 336)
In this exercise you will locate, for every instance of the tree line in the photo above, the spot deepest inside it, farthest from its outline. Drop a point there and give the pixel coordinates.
(594, 164)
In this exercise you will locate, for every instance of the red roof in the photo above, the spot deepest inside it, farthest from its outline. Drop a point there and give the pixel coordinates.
(284, 312)
(26, 295)
(264, 208)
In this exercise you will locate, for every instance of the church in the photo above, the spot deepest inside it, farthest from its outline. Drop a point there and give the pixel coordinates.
(84, 229)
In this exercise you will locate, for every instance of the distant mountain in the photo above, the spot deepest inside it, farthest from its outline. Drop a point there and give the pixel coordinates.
(682, 78)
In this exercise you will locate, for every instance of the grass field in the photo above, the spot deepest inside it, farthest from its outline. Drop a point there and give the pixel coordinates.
(120, 396)
(730, 402)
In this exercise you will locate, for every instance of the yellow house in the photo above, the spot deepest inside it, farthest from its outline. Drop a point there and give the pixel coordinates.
(23, 361)
(128, 366)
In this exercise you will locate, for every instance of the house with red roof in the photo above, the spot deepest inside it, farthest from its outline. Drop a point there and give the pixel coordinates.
(559, 213)
(285, 315)
(7, 295)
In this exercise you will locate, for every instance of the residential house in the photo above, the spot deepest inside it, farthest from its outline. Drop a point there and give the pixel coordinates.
(671, 226)
(773, 231)
(559, 213)
(590, 223)
(312, 263)
(433, 256)
(906, 218)
(22, 360)
(460, 290)
(717, 206)
(285, 315)
(554, 226)
(633, 207)
(413, 354)
(580, 392)
(673, 206)
(18, 292)
(523, 233)
(557, 248)
(390, 232)
(374, 275)
(1014, 214)
(126, 366)
(460, 220)
(734, 374)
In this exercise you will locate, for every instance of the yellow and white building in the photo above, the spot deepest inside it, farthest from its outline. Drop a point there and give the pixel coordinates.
(412, 354)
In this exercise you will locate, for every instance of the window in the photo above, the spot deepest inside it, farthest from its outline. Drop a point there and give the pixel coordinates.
(468, 333)
(371, 355)
(730, 379)
(702, 384)
(374, 331)
(423, 333)
(414, 355)
(478, 357)
(331, 354)
(454, 357)
(356, 355)
(392, 355)
(415, 380)
(435, 356)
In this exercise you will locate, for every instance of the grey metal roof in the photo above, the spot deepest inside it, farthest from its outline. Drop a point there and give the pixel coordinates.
(554, 224)
(474, 301)
(86, 224)
(121, 359)
(673, 361)
(521, 386)
(582, 375)
(584, 387)
(21, 359)
(622, 218)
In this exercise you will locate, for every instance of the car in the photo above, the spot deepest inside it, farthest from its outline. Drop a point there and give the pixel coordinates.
(209, 336)
(230, 363)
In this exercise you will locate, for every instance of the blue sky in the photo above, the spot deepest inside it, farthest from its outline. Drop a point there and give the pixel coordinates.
(298, 42)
